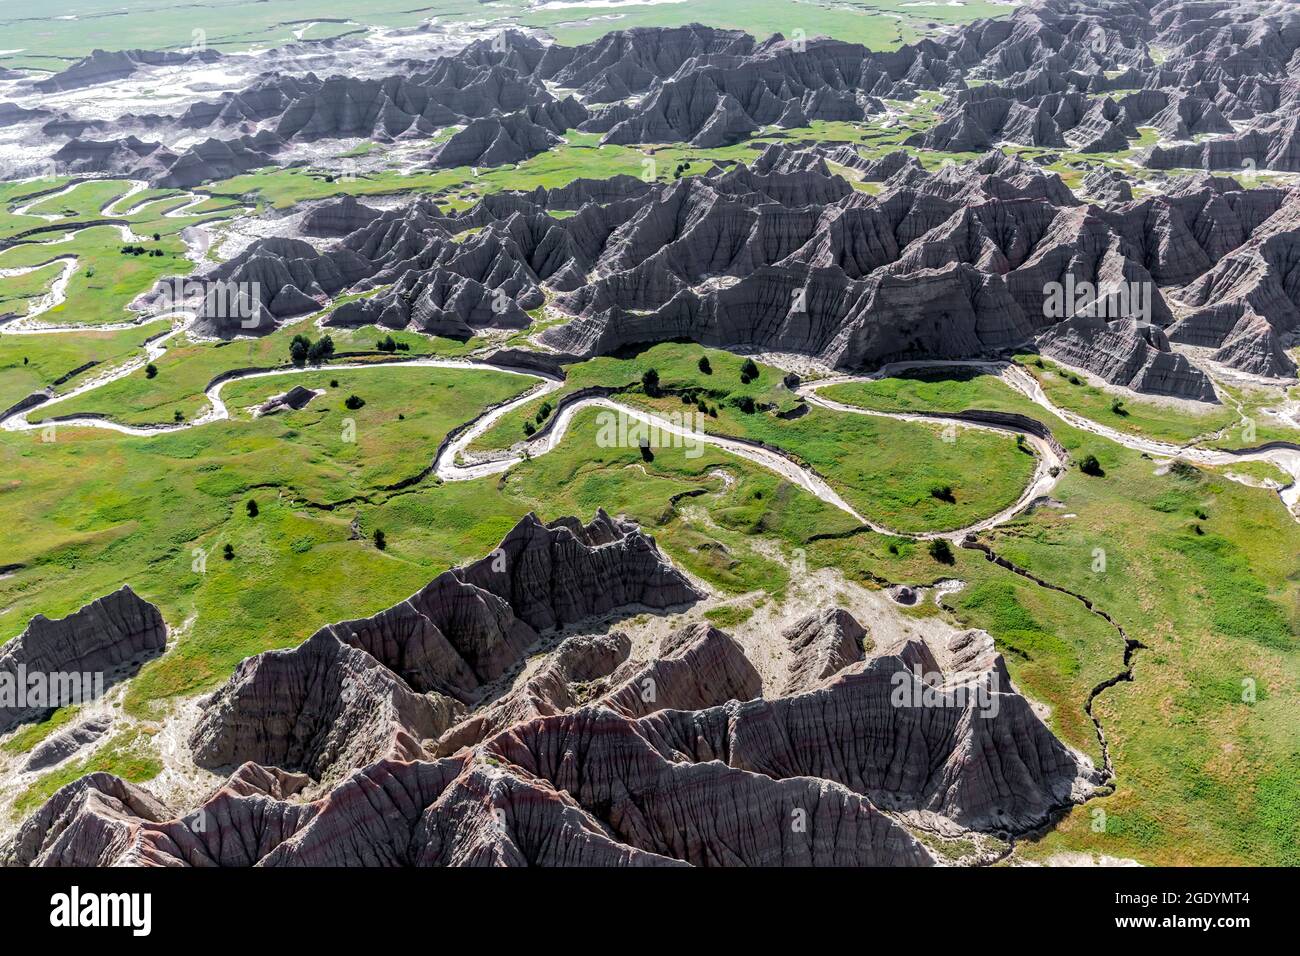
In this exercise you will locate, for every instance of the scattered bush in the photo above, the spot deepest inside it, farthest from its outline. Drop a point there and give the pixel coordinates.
(748, 372)
(1089, 465)
(228, 552)
(252, 508)
(353, 402)
(150, 370)
(705, 367)
(647, 454)
(386, 344)
(381, 542)
(298, 350)
(650, 382)
(529, 428)
(1117, 407)
(544, 412)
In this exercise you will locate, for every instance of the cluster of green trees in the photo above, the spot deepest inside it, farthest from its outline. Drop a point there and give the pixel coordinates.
(303, 351)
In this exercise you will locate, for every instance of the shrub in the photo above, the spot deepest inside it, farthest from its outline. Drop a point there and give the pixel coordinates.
(150, 370)
(748, 372)
(529, 428)
(705, 367)
(252, 508)
(228, 552)
(353, 402)
(647, 454)
(1117, 406)
(650, 382)
(746, 404)
(1089, 465)
(381, 541)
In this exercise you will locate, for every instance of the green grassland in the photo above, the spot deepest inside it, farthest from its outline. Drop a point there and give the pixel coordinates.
(1216, 426)
(882, 467)
(107, 279)
(32, 362)
(187, 367)
(1203, 571)
(18, 293)
(954, 390)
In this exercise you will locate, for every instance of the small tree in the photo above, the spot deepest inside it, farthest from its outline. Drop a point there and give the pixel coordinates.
(157, 237)
(705, 367)
(942, 492)
(321, 351)
(748, 371)
(353, 402)
(150, 370)
(647, 454)
(298, 349)
(1117, 406)
(529, 428)
(252, 508)
(940, 550)
(380, 541)
(228, 552)
(1089, 465)
(650, 382)
(178, 416)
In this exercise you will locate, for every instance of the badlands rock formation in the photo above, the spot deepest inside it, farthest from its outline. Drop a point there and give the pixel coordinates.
(363, 690)
(780, 253)
(796, 780)
(784, 255)
(53, 663)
